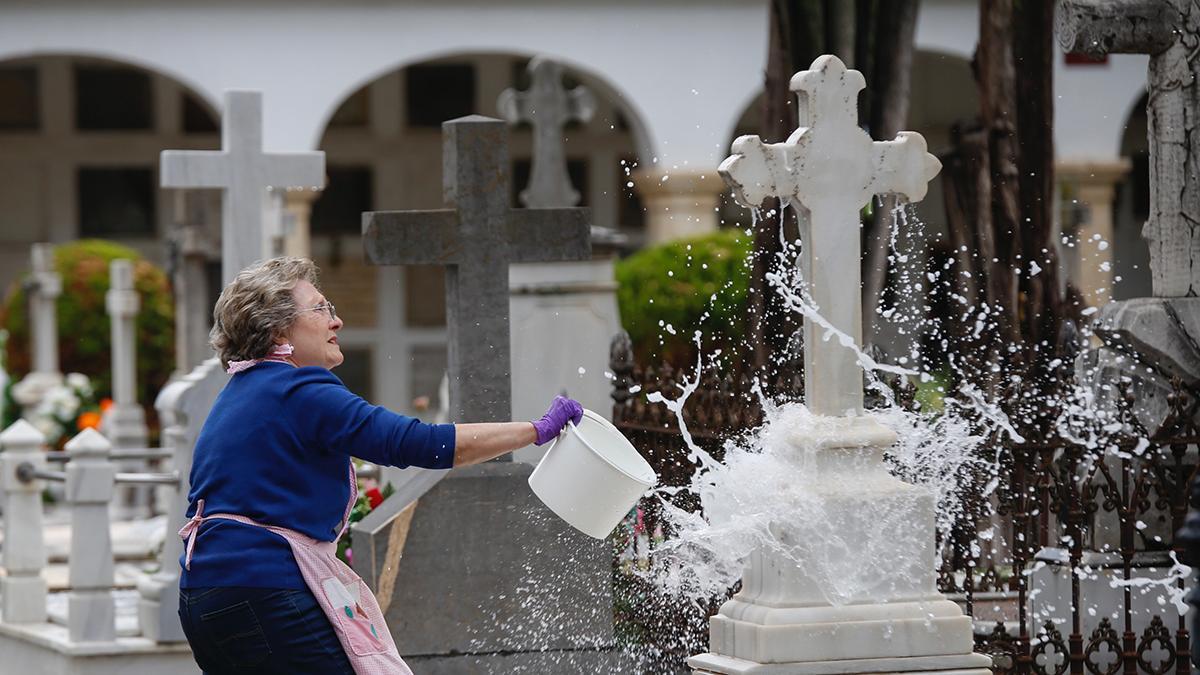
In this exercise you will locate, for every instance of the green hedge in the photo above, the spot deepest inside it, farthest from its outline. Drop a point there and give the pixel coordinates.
(688, 285)
(83, 324)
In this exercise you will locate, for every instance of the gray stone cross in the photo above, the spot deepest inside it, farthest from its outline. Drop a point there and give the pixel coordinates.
(833, 168)
(246, 174)
(476, 239)
(1169, 31)
(548, 106)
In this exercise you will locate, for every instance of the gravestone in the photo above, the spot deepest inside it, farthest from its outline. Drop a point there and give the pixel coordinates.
(193, 304)
(561, 311)
(44, 287)
(1145, 342)
(1151, 340)
(476, 575)
(782, 621)
(247, 175)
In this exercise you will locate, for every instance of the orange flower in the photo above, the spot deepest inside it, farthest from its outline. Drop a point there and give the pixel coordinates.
(88, 420)
(105, 404)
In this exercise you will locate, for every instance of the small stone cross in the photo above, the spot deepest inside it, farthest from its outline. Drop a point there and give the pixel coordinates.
(548, 106)
(45, 287)
(246, 174)
(1169, 31)
(832, 168)
(477, 238)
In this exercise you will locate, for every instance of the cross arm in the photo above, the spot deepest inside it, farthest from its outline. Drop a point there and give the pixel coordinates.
(549, 235)
(513, 106)
(903, 167)
(193, 169)
(1099, 27)
(412, 237)
(582, 104)
(296, 169)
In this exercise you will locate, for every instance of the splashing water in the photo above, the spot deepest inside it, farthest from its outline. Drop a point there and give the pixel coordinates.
(774, 491)
(833, 515)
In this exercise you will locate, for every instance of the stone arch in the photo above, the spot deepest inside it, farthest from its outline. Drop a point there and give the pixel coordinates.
(383, 151)
(600, 82)
(65, 176)
(131, 59)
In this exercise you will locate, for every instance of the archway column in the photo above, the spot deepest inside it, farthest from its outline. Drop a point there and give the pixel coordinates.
(1093, 184)
(680, 203)
(297, 204)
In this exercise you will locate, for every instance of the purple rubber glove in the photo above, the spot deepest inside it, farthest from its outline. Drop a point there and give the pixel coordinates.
(551, 424)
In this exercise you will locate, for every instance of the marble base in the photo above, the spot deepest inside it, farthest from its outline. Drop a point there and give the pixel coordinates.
(967, 664)
(787, 617)
(46, 648)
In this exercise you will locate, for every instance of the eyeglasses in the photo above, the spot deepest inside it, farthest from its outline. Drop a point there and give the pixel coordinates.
(327, 306)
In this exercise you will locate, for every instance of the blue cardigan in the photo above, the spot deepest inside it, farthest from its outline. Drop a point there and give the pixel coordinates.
(276, 448)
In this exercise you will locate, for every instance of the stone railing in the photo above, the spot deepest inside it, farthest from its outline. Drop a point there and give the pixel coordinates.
(91, 478)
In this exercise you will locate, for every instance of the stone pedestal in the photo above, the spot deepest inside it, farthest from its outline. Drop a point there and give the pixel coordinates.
(888, 616)
(1149, 341)
(481, 577)
(563, 316)
(1101, 590)
(680, 203)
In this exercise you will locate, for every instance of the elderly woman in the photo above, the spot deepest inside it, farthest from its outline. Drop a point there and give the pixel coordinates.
(272, 485)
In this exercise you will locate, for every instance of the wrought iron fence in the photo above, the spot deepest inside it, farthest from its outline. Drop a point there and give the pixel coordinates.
(1109, 510)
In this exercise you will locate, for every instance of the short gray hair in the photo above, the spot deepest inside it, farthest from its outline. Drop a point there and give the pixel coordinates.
(257, 306)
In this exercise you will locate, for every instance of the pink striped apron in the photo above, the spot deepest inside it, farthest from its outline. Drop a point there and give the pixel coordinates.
(342, 594)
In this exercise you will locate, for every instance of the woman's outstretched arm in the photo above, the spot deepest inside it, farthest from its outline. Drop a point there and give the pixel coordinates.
(475, 443)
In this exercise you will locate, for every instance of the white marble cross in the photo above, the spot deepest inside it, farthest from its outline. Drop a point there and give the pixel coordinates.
(832, 168)
(548, 106)
(246, 174)
(43, 298)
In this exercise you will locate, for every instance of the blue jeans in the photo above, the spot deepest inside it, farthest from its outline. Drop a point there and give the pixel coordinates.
(260, 630)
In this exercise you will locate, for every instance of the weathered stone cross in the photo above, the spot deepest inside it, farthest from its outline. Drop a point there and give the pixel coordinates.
(476, 238)
(832, 168)
(246, 174)
(548, 106)
(1167, 30)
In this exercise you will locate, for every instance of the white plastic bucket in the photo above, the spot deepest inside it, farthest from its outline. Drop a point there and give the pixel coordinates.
(591, 476)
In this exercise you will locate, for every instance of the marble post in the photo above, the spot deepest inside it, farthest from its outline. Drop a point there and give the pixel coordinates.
(1093, 185)
(679, 203)
(91, 612)
(247, 175)
(44, 288)
(125, 422)
(782, 621)
(22, 590)
(182, 407)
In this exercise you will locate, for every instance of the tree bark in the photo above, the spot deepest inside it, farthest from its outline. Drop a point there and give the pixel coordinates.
(1033, 53)
(892, 86)
(997, 96)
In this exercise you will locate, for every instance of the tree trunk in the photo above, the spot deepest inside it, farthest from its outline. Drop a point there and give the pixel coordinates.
(789, 22)
(892, 87)
(1033, 53)
(997, 97)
